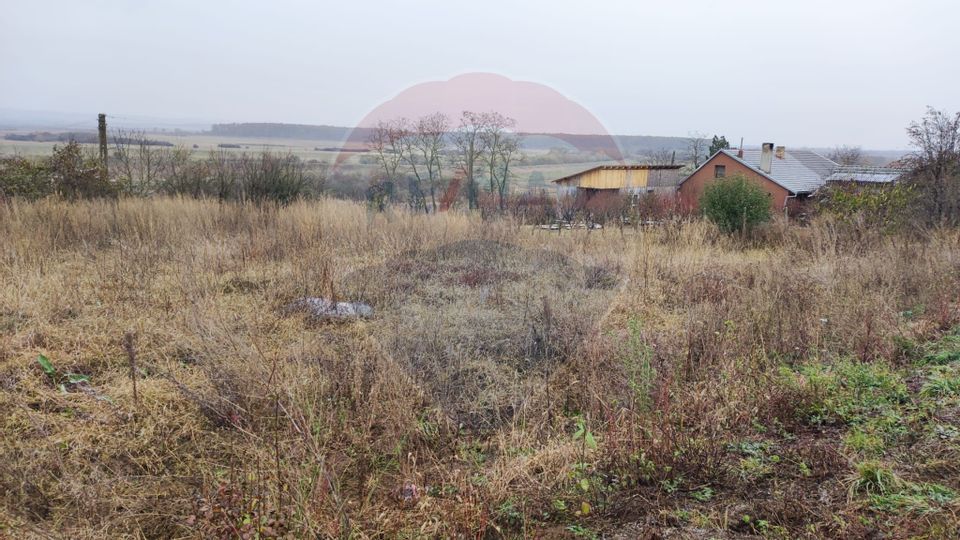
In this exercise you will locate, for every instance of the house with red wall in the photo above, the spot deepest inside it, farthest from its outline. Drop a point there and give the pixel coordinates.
(784, 175)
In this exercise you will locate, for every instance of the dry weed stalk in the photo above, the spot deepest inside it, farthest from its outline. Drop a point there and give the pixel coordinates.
(128, 348)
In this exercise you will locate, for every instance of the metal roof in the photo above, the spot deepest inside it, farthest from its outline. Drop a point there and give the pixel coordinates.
(866, 175)
(619, 168)
(799, 171)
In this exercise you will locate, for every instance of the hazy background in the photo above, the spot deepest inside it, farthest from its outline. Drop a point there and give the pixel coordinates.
(801, 73)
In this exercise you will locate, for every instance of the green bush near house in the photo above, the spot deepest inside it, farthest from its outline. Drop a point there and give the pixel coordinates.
(735, 204)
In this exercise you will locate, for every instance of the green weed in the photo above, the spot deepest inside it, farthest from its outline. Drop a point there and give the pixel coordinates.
(942, 382)
(913, 498)
(873, 478)
(61, 380)
(853, 391)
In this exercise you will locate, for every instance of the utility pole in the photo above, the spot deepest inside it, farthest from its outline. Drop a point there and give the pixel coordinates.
(102, 130)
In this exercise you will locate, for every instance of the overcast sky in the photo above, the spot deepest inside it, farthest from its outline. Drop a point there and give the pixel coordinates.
(815, 73)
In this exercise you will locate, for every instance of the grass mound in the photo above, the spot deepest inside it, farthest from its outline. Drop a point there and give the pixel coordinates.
(480, 324)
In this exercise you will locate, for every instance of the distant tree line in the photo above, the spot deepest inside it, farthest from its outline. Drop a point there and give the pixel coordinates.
(282, 131)
(80, 137)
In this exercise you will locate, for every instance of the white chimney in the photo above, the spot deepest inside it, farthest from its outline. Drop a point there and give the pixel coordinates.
(780, 152)
(766, 157)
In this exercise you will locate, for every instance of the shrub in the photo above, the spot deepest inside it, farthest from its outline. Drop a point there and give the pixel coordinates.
(882, 207)
(536, 207)
(77, 176)
(272, 178)
(21, 177)
(735, 204)
(68, 172)
(607, 206)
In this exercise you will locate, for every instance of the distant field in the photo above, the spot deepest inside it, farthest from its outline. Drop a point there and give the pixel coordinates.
(305, 149)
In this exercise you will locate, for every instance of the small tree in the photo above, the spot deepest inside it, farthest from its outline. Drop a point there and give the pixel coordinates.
(501, 150)
(469, 142)
(936, 166)
(735, 204)
(697, 147)
(847, 155)
(140, 164)
(386, 142)
(423, 150)
(717, 144)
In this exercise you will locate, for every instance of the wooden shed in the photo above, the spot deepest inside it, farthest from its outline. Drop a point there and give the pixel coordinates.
(631, 178)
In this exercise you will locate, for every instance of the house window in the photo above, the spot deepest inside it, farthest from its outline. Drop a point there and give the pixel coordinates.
(719, 171)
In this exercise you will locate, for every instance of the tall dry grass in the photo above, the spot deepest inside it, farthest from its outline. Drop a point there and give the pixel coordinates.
(452, 412)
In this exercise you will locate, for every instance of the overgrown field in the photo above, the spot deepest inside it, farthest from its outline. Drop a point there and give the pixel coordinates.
(664, 382)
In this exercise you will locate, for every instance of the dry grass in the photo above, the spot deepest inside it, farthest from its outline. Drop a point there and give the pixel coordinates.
(453, 411)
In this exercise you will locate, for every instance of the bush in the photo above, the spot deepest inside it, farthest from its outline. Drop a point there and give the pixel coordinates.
(272, 178)
(77, 176)
(68, 172)
(735, 204)
(607, 206)
(877, 207)
(20, 177)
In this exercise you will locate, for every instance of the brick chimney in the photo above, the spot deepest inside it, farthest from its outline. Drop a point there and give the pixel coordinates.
(766, 157)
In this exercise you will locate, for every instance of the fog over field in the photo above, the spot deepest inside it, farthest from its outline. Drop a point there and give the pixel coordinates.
(800, 73)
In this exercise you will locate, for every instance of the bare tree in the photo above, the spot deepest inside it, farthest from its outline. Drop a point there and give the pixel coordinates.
(184, 175)
(424, 152)
(697, 147)
(936, 164)
(847, 155)
(470, 147)
(501, 150)
(662, 156)
(387, 142)
(506, 154)
(140, 163)
(222, 174)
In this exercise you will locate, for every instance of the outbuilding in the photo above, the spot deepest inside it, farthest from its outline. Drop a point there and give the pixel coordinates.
(634, 179)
